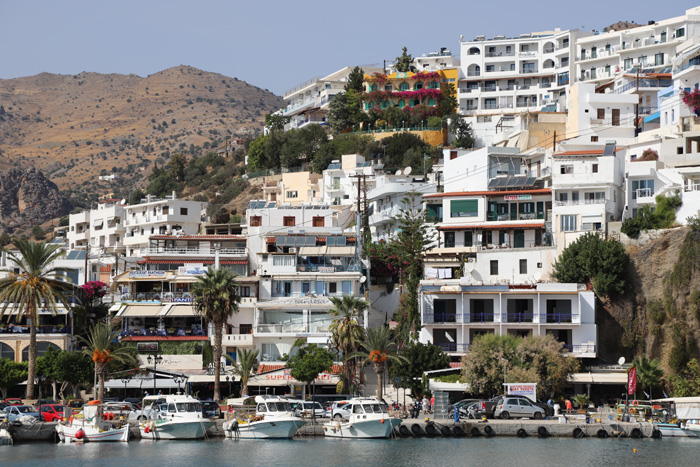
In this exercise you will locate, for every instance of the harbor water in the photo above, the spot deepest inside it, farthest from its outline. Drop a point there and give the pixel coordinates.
(362, 453)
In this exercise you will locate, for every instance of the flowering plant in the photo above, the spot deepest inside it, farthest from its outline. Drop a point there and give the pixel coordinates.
(692, 100)
(649, 155)
(376, 76)
(94, 289)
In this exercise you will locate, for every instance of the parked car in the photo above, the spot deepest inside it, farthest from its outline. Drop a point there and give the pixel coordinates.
(488, 408)
(518, 407)
(122, 409)
(17, 411)
(76, 403)
(339, 409)
(461, 404)
(307, 409)
(52, 413)
(14, 401)
(211, 409)
(134, 400)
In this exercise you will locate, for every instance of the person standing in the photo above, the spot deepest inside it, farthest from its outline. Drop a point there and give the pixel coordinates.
(432, 403)
(425, 405)
(569, 406)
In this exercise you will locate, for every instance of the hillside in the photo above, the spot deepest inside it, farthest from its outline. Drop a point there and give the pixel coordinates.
(77, 127)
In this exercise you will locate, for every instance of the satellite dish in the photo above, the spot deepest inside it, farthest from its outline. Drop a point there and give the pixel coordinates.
(123, 201)
(407, 171)
(398, 172)
(363, 279)
(621, 361)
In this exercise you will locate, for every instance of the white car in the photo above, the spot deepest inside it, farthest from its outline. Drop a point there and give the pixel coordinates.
(339, 409)
(307, 409)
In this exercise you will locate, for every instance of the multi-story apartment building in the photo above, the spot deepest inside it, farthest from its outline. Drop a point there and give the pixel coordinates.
(340, 179)
(308, 102)
(294, 188)
(435, 61)
(601, 58)
(589, 189)
(102, 227)
(407, 90)
(506, 75)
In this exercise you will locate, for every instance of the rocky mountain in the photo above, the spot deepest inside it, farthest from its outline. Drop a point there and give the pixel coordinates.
(28, 198)
(78, 127)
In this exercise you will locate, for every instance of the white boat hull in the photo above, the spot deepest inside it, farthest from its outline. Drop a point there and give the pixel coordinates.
(173, 429)
(364, 429)
(674, 431)
(92, 433)
(264, 429)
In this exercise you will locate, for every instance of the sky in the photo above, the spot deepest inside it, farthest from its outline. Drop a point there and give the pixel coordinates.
(273, 44)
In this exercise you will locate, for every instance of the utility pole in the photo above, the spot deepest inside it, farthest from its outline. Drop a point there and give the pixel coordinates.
(554, 144)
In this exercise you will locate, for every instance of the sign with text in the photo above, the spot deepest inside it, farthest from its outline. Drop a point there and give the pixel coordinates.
(147, 346)
(147, 274)
(516, 197)
(192, 270)
(528, 390)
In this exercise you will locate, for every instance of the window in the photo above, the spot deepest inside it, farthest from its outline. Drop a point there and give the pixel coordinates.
(680, 32)
(464, 208)
(594, 139)
(523, 266)
(255, 221)
(449, 239)
(289, 221)
(318, 287)
(524, 48)
(332, 287)
(402, 104)
(165, 209)
(679, 150)
(244, 291)
(494, 268)
(292, 194)
(183, 211)
(601, 114)
(659, 59)
(568, 223)
(628, 63)
(490, 68)
(567, 169)
(318, 221)
(563, 197)
(404, 87)
(347, 287)
(305, 288)
(283, 260)
(595, 168)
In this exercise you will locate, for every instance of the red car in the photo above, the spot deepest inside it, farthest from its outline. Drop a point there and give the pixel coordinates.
(52, 413)
(14, 401)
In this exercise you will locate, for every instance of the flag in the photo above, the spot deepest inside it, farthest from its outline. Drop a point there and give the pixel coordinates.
(632, 381)
(646, 395)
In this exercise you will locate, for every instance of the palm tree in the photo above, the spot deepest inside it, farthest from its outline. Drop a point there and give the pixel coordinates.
(37, 286)
(649, 372)
(216, 298)
(244, 367)
(346, 331)
(378, 348)
(101, 345)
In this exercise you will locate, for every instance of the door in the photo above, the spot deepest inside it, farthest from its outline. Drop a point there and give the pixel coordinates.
(616, 117)
(287, 289)
(519, 239)
(513, 211)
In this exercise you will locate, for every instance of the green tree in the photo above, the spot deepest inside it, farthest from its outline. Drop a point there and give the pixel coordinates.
(663, 217)
(37, 286)
(256, 153)
(378, 348)
(276, 121)
(216, 299)
(310, 361)
(404, 62)
(11, 374)
(649, 373)
(136, 196)
(462, 131)
(447, 104)
(302, 145)
(38, 233)
(346, 331)
(338, 114)
(410, 244)
(419, 359)
(686, 383)
(101, 345)
(5, 239)
(176, 167)
(356, 79)
(244, 367)
(591, 259)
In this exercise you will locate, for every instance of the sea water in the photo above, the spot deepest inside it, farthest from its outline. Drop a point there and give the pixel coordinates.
(362, 453)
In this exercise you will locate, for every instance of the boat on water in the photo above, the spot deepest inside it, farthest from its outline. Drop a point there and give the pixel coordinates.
(174, 417)
(675, 430)
(692, 425)
(274, 419)
(369, 418)
(90, 426)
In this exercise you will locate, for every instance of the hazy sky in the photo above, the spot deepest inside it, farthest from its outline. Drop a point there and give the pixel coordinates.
(274, 44)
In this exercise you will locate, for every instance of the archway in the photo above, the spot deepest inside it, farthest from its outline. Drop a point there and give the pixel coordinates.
(41, 348)
(7, 352)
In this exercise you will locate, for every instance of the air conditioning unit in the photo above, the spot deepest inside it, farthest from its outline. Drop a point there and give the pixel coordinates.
(292, 250)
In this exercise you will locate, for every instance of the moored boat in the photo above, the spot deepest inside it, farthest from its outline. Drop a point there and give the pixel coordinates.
(174, 417)
(368, 419)
(274, 419)
(675, 430)
(92, 427)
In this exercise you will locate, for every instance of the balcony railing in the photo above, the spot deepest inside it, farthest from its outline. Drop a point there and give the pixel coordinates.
(156, 297)
(579, 348)
(473, 73)
(442, 317)
(193, 251)
(559, 318)
(237, 340)
(293, 327)
(520, 317)
(644, 193)
(578, 202)
(42, 329)
(163, 332)
(328, 268)
(453, 347)
(481, 317)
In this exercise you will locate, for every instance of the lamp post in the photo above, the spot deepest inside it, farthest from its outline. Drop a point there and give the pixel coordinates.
(155, 360)
(217, 248)
(228, 381)
(125, 380)
(179, 380)
(505, 366)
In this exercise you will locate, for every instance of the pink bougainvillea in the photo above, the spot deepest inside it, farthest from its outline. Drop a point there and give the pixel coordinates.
(378, 96)
(94, 289)
(692, 100)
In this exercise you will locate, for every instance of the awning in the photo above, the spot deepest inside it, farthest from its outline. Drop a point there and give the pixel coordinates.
(340, 250)
(139, 310)
(99, 223)
(115, 307)
(180, 311)
(143, 383)
(312, 250)
(599, 378)
(653, 118)
(11, 310)
(210, 379)
(192, 260)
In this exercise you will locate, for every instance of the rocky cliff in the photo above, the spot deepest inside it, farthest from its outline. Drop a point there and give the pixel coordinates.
(28, 198)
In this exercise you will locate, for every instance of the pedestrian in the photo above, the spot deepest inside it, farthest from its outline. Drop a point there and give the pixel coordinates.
(569, 406)
(432, 403)
(425, 405)
(550, 402)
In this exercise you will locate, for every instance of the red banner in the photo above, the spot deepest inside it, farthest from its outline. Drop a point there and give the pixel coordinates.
(632, 381)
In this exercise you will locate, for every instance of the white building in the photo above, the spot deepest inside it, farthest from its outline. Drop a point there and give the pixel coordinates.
(340, 180)
(504, 75)
(435, 61)
(102, 227)
(453, 315)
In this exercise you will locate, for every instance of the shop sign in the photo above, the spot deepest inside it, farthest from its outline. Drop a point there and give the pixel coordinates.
(528, 390)
(517, 197)
(146, 274)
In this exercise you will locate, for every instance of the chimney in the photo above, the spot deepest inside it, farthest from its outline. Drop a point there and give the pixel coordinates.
(174, 195)
(148, 198)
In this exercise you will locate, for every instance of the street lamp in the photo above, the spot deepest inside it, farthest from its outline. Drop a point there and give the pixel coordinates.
(228, 381)
(125, 380)
(179, 380)
(155, 360)
(217, 247)
(505, 366)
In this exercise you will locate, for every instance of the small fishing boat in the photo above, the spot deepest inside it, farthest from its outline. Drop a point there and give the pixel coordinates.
(675, 430)
(89, 426)
(174, 417)
(274, 419)
(369, 418)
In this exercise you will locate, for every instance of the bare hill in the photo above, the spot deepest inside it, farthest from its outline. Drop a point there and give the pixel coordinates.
(77, 127)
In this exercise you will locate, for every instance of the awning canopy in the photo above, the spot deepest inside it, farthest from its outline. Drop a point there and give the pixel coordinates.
(180, 311)
(139, 310)
(599, 378)
(282, 377)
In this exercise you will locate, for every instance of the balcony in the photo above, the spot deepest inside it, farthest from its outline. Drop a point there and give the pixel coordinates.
(481, 317)
(579, 202)
(42, 329)
(162, 332)
(473, 73)
(453, 347)
(494, 217)
(193, 251)
(328, 268)
(560, 318)
(580, 348)
(237, 340)
(513, 318)
(434, 318)
(644, 195)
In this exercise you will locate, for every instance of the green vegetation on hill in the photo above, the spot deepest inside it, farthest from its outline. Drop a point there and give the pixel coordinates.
(663, 217)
